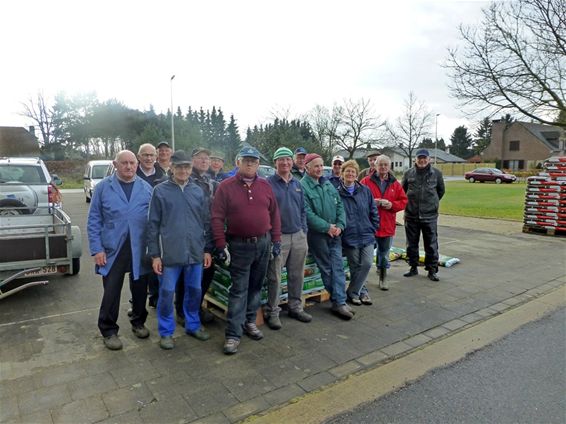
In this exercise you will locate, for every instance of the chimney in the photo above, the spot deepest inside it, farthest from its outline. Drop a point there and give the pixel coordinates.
(32, 130)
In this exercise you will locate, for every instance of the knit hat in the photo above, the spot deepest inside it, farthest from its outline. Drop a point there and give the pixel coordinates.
(282, 152)
(311, 156)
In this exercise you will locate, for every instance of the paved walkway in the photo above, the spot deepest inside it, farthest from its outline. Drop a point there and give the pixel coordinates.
(55, 369)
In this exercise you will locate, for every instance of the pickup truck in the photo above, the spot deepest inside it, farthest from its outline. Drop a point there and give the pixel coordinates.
(36, 235)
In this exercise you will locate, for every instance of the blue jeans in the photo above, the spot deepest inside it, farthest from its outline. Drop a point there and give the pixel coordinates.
(360, 260)
(383, 247)
(327, 253)
(248, 267)
(191, 301)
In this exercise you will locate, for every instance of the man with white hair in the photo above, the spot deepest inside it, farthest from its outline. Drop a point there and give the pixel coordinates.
(147, 156)
(116, 229)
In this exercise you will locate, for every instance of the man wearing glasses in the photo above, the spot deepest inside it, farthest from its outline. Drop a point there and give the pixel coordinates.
(147, 155)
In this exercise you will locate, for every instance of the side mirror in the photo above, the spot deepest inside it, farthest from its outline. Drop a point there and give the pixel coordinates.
(56, 180)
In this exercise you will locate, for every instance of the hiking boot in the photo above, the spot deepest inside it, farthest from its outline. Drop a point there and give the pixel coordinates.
(113, 342)
(354, 300)
(432, 276)
(342, 311)
(365, 299)
(231, 346)
(300, 316)
(166, 343)
(141, 332)
(201, 334)
(206, 316)
(383, 283)
(152, 302)
(252, 331)
(411, 272)
(273, 322)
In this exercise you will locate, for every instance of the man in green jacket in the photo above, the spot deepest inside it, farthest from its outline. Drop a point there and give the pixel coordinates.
(326, 220)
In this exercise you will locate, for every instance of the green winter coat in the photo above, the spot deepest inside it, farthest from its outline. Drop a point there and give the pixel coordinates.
(323, 205)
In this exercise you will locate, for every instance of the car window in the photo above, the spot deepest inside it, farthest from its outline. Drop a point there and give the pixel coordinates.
(497, 171)
(22, 173)
(99, 171)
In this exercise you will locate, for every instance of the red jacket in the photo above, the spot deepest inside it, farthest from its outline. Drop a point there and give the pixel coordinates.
(395, 194)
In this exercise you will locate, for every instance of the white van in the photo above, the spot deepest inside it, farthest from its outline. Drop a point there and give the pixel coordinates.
(95, 171)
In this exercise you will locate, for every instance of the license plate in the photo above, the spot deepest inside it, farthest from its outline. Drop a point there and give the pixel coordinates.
(44, 270)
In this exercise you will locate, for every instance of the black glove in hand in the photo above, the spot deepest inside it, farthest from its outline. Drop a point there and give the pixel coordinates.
(220, 255)
(276, 249)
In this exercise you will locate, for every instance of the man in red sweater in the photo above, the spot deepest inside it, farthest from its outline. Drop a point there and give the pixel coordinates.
(247, 207)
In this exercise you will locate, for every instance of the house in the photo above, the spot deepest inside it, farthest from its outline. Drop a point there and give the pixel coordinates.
(400, 160)
(17, 141)
(523, 145)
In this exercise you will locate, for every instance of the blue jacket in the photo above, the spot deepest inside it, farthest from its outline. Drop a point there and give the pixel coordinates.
(178, 224)
(361, 216)
(111, 218)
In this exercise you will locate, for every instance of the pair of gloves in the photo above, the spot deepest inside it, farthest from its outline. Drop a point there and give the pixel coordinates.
(221, 257)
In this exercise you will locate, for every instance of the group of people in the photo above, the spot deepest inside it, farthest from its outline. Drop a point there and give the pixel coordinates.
(166, 217)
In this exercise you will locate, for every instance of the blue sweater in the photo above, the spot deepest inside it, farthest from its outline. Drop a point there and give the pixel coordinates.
(291, 202)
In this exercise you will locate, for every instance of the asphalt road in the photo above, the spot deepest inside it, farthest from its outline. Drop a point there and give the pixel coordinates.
(519, 379)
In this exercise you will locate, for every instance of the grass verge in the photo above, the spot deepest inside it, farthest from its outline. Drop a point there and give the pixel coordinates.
(487, 200)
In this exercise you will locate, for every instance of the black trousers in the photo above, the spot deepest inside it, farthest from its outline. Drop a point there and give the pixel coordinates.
(413, 230)
(113, 283)
(207, 275)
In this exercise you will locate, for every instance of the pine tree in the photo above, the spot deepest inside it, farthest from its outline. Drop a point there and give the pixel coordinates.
(461, 142)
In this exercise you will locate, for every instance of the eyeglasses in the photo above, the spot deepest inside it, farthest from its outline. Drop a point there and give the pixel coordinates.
(337, 163)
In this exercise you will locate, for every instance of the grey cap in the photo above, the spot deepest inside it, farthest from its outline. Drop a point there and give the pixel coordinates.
(180, 157)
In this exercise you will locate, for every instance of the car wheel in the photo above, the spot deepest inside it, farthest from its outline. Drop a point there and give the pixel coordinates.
(76, 266)
(498, 181)
(11, 203)
(472, 180)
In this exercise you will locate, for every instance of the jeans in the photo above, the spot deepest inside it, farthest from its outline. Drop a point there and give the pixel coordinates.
(207, 276)
(327, 253)
(191, 301)
(113, 282)
(293, 253)
(383, 247)
(430, 241)
(360, 260)
(248, 267)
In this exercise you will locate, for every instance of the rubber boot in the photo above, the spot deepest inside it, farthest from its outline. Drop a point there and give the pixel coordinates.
(383, 283)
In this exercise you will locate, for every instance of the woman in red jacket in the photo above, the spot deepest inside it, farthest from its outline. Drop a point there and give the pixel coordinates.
(390, 199)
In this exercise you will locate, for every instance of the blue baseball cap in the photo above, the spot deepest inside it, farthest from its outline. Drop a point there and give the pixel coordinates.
(248, 152)
(423, 152)
(301, 151)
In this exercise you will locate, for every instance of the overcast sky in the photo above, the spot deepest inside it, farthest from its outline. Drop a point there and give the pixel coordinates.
(250, 57)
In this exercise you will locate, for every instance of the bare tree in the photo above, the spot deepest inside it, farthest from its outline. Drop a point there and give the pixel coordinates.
(41, 114)
(514, 60)
(411, 127)
(348, 126)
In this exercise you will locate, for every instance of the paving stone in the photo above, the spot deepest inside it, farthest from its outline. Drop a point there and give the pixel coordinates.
(454, 324)
(126, 399)
(282, 373)
(59, 375)
(486, 312)
(126, 418)
(133, 374)
(312, 363)
(283, 394)
(8, 408)
(345, 369)
(247, 386)
(108, 360)
(88, 410)
(44, 398)
(14, 387)
(91, 385)
(436, 332)
(471, 318)
(396, 349)
(242, 410)
(172, 410)
(209, 397)
(39, 417)
(418, 340)
(218, 418)
(372, 358)
(512, 301)
(500, 307)
(315, 382)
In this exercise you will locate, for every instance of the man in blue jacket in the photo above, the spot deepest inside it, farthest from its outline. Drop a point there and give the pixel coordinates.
(179, 240)
(116, 229)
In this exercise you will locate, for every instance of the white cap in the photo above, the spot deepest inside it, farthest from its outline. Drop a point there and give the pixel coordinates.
(339, 158)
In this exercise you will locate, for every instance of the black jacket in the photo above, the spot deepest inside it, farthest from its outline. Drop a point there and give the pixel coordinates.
(424, 188)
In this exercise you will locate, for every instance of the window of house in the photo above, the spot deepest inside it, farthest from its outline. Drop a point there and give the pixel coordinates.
(514, 145)
(514, 165)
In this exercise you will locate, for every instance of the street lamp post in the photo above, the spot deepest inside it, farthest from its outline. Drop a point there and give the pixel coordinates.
(435, 135)
(172, 117)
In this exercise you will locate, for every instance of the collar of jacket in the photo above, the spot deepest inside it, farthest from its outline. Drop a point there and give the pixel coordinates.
(375, 177)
